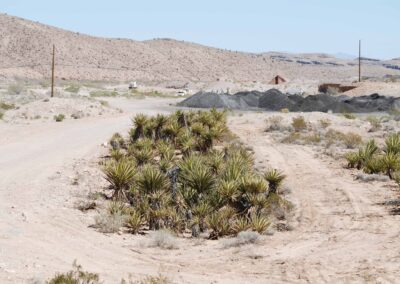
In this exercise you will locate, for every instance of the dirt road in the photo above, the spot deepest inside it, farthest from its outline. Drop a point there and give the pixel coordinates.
(340, 233)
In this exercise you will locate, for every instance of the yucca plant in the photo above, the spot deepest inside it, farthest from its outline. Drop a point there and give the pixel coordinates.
(139, 122)
(390, 163)
(374, 165)
(219, 116)
(152, 180)
(396, 178)
(366, 153)
(253, 184)
(216, 161)
(229, 191)
(117, 208)
(392, 144)
(171, 130)
(206, 119)
(275, 179)
(241, 224)
(117, 141)
(181, 118)
(143, 156)
(259, 223)
(117, 155)
(121, 175)
(201, 211)
(160, 121)
(219, 225)
(134, 222)
(198, 129)
(186, 142)
(196, 175)
(352, 158)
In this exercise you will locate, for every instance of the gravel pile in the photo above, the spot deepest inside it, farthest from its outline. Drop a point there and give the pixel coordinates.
(274, 100)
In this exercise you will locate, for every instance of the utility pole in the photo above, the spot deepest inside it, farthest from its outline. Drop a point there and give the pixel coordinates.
(52, 71)
(359, 61)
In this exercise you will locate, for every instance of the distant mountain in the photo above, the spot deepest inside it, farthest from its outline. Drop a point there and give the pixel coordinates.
(25, 51)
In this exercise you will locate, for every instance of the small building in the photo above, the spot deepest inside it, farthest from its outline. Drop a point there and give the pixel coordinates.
(132, 85)
(277, 80)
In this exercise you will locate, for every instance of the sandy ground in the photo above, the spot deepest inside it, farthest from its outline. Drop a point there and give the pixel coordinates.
(341, 234)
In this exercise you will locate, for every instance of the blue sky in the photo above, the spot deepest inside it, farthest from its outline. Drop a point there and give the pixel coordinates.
(329, 26)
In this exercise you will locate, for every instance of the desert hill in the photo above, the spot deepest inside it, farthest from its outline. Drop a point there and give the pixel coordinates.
(25, 52)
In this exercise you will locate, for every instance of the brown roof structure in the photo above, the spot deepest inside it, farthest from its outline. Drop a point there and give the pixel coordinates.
(277, 80)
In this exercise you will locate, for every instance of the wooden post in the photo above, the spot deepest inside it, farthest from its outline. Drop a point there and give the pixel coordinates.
(52, 71)
(359, 61)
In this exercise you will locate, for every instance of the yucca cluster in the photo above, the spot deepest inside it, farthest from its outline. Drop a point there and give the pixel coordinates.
(179, 172)
(373, 160)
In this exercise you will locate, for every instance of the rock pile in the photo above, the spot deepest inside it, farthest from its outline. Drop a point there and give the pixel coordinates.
(274, 100)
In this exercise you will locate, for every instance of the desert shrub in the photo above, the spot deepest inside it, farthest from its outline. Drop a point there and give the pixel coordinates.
(159, 279)
(312, 138)
(325, 123)
(349, 115)
(351, 140)
(109, 223)
(285, 110)
(75, 276)
(176, 179)
(371, 177)
(1, 115)
(163, 239)
(59, 117)
(16, 89)
(292, 137)
(6, 106)
(274, 123)
(299, 124)
(375, 123)
(72, 88)
(103, 93)
(243, 238)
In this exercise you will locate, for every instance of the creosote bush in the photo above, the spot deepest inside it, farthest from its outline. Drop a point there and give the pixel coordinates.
(172, 177)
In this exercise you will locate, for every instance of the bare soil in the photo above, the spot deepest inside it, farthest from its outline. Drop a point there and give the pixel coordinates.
(341, 233)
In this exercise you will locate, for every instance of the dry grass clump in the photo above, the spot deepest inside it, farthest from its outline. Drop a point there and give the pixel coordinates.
(16, 89)
(325, 123)
(243, 238)
(75, 276)
(349, 115)
(299, 124)
(163, 239)
(73, 88)
(374, 122)
(320, 134)
(374, 160)
(172, 177)
(59, 117)
(6, 106)
(274, 123)
(159, 279)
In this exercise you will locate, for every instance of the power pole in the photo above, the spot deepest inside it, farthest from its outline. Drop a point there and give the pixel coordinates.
(359, 61)
(52, 71)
